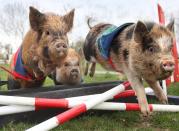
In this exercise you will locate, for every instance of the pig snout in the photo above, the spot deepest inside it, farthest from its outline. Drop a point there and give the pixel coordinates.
(74, 73)
(61, 48)
(168, 65)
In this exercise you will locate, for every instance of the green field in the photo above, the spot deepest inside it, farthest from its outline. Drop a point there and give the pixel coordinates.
(111, 120)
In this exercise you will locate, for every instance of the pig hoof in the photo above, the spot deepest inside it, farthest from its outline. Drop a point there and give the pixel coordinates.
(145, 111)
(86, 73)
(163, 100)
(91, 74)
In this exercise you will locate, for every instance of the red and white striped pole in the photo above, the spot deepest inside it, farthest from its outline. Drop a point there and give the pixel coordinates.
(77, 110)
(103, 106)
(73, 101)
(45, 102)
(60, 103)
(136, 107)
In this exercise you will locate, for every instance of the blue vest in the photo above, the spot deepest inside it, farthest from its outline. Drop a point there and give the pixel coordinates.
(105, 38)
(19, 66)
(19, 69)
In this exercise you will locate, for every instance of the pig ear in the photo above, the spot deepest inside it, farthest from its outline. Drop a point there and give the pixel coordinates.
(170, 26)
(36, 18)
(140, 31)
(68, 19)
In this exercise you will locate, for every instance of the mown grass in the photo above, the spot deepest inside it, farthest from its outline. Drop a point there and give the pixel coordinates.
(111, 120)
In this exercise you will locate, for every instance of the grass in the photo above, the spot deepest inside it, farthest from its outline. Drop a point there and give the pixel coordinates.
(3, 74)
(111, 120)
(100, 78)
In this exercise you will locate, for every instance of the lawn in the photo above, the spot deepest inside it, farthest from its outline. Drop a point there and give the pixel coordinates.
(111, 120)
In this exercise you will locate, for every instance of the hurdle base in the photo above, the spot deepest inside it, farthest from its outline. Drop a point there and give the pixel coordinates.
(62, 92)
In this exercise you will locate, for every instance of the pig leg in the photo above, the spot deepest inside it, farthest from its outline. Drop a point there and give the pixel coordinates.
(158, 91)
(86, 68)
(13, 84)
(92, 69)
(136, 83)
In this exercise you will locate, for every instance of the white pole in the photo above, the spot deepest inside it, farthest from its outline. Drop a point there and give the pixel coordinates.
(72, 101)
(30, 101)
(8, 100)
(5, 110)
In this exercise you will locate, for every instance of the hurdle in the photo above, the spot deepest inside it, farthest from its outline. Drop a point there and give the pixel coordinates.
(79, 109)
(62, 103)
(82, 91)
(111, 106)
(41, 103)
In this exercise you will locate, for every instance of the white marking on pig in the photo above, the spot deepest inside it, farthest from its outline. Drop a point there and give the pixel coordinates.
(58, 78)
(73, 61)
(164, 42)
(92, 59)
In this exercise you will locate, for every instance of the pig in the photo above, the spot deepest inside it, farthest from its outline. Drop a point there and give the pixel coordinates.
(69, 73)
(141, 51)
(43, 48)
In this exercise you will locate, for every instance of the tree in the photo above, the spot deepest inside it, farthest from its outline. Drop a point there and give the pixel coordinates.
(77, 45)
(8, 49)
(13, 19)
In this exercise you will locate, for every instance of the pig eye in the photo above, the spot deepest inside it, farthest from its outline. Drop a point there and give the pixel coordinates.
(47, 33)
(64, 46)
(151, 49)
(59, 33)
(66, 64)
(171, 47)
(78, 64)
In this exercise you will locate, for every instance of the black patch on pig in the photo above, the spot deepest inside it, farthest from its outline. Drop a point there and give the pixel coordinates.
(125, 54)
(162, 28)
(13, 84)
(149, 25)
(36, 18)
(89, 45)
(115, 45)
(130, 32)
(146, 43)
(39, 35)
(150, 64)
(45, 52)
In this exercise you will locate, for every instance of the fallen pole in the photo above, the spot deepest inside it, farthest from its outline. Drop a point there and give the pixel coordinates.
(77, 110)
(135, 107)
(112, 106)
(73, 101)
(63, 103)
